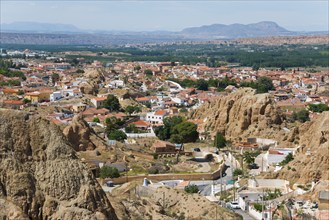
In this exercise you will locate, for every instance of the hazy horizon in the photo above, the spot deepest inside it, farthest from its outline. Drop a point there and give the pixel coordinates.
(167, 15)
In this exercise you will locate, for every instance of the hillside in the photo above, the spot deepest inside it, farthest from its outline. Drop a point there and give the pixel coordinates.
(165, 203)
(313, 137)
(240, 115)
(41, 176)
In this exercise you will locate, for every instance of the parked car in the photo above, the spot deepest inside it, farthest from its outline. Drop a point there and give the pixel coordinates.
(253, 166)
(234, 205)
(315, 206)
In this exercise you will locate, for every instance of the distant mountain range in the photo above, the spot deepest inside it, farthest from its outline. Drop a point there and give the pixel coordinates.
(206, 32)
(36, 27)
(261, 29)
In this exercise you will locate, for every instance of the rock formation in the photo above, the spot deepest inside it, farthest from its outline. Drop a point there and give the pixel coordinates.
(311, 163)
(95, 77)
(41, 176)
(240, 114)
(164, 203)
(81, 136)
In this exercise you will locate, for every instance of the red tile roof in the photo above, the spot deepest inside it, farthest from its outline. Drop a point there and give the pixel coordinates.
(141, 123)
(160, 112)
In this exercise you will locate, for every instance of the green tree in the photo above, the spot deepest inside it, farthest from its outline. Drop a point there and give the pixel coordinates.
(185, 132)
(148, 72)
(318, 107)
(96, 119)
(264, 84)
(219, 141)
(117, 135)
(137, 68)
(191, 189)
(202, 85)
(248, 157)
(164, 132)
(25, 101)
(80, 71)
(302, 116)
(112, 103)
(131, 128)
(183, 110)
(255, 67)
(55, 77)
(109, 172)
(113, 123)
(131, 109)
(20, 92)
(270, 195)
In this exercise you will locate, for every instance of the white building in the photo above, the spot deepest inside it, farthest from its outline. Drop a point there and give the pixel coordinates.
(55, 96)
(116, 84)
(65, 93)
(98, 101)
(156, 117)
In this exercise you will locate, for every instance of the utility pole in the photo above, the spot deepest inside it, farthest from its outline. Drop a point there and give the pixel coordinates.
(216, 213)
(126, 172)
(263, 205)
(221, 185)
(163, 202)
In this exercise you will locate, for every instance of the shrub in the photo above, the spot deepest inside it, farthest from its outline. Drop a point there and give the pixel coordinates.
(153, 170)
(237, 172)
(109, 172)
(318, 107)
(96, 119)
(191, 189)
(287, 159)
(302, 116)
(258, 207)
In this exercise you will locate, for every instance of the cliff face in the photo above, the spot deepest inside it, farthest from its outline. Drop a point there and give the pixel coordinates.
(81, 136)
(240, 114)
(94, 76)
(311, 162)
(41, 176)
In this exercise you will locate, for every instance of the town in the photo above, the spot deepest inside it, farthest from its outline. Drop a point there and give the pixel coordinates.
(145, 122)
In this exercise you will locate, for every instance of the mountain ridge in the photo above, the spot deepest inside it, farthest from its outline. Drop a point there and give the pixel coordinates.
(213, 31)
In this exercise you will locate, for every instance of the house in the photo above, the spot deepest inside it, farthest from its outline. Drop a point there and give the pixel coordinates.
(10, 91)
(156, 117)
(324, 200)
(116, 83)
(163, 147)
(78, 107)
(13, 104)
(38, 96)
(98, 101)
(94, 111)
(141, 124)
(276, 155)
(55, 96)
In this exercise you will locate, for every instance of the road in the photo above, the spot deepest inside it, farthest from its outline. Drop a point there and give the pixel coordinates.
(244, 215)
(206, 189)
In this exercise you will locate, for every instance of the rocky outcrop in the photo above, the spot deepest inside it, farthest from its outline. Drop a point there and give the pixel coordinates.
(41, 175)
(311, 162)
(240, 114)
(94, 78)
(81, 136)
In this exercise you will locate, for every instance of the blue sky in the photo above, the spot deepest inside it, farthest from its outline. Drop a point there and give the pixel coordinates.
(168, 15)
